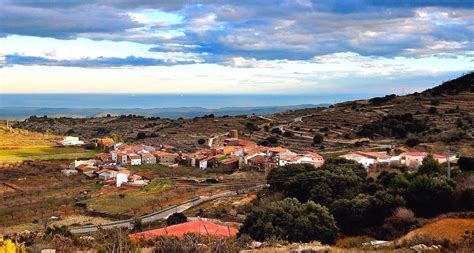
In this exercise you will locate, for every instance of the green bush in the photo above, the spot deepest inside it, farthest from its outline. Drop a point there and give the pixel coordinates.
(290, 220)
(318, 139)
(176, 218)
(466, 163)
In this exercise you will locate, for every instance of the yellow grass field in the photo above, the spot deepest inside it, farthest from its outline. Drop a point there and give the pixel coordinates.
(19, 145)
(17, 138)
(447, 228)
(44, 153)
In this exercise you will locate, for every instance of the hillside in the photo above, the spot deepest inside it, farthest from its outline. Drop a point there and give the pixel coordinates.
(445, 117)
(14, 138)
(453, 229)
(442, 115)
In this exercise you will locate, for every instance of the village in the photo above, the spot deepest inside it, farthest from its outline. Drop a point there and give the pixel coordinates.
(112, 164)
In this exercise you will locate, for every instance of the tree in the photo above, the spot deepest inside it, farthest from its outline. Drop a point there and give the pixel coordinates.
(364, 211)
(290, 220)
(201, 141)
(466, 163)
(432, 110)
(278, 176)
(430, 166)
(429, 196)
(251, 127)
(287, 134)
(272, 140)
(176, 218)
(412, 142)
(141, 136)
(318, 139)
(337, 178)
(276, 130)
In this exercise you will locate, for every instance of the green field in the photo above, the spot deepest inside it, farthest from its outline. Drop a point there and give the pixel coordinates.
(45, 153)
(119, 204)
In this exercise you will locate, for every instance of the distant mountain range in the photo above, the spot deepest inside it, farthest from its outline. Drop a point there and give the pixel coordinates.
(20, 113)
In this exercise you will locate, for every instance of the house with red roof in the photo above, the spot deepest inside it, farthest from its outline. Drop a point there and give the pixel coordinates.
(134, 159)
(293, 158)
(148, 158)
(164, 157)
(414, 159)
(204, 228)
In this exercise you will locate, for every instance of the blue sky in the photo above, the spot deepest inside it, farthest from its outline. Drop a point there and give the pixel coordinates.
(281, 47)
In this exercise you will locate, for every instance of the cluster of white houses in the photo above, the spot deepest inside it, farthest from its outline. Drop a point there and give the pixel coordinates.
(410, 160)
(234, 153)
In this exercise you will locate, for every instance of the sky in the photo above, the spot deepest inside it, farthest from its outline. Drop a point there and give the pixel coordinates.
(223, 46)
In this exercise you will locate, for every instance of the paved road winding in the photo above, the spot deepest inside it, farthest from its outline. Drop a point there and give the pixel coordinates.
(159, 215)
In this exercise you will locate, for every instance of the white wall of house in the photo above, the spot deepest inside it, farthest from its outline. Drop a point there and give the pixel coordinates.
(137, 161)
(123, 159)
(113, 154)
(367, 162)
(121, 178)
(203, 164)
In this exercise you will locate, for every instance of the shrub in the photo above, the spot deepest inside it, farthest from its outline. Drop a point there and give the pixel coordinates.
(272, 140)
(290, 220)
(251, 127)
(435, 102)
(397, 126)
(287, 134)
(428, 196)
(276, 130)
(201, 141)
(432, 110)
(466, 163)
(430, 166)
(318, 139)
(141, 136)
(402, 221)
(176, 218)
(412, 142)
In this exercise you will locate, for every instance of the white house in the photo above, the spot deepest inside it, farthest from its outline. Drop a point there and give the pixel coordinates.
(203, 164)
(77, 163)
(108, 174)
(135, 159)
(120, 179)
(292, 158)
(113, 154)
(365, 161)
(71, 141)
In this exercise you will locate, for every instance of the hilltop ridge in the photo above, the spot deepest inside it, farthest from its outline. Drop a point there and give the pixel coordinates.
(444, 113)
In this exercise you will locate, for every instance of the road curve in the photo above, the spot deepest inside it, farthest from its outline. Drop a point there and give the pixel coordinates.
(148, 218)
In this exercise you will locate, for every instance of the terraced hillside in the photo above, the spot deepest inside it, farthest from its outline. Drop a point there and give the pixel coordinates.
(181, 133)
(444, 113)
(447, 111)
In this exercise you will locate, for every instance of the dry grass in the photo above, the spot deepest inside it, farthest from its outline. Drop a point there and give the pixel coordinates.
(15, 138)
(45, 153)
(451, 229)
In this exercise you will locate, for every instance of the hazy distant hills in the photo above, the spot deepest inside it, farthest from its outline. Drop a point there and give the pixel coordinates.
(19, 113)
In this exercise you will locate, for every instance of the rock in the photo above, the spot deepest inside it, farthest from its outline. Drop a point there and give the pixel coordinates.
(255, 245)
(312, 249)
